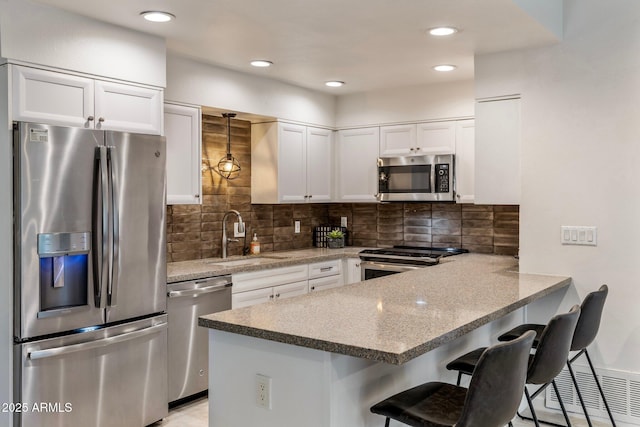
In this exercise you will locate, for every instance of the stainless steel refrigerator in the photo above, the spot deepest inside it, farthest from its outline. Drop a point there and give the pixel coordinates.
(90, 277)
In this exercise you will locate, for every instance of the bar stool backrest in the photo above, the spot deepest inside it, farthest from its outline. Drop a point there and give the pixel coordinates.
(497, 384)
(553, 348)
(589, 321)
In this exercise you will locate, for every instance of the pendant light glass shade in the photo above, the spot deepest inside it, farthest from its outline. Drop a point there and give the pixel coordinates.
(228, 166)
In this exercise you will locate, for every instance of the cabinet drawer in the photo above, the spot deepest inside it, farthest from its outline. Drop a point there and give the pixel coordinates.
(245, 299)
(322, 269)
(268, 278)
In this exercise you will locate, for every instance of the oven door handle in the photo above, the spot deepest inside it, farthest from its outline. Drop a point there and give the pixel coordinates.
(372, 265)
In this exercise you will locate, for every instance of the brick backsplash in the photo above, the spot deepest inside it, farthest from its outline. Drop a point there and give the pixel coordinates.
(195, 231)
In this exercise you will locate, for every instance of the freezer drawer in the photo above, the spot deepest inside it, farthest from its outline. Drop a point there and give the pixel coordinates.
(188, 343)
(107, 377)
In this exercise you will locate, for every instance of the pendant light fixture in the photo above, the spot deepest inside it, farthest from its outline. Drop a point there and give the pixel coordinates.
(228, 166)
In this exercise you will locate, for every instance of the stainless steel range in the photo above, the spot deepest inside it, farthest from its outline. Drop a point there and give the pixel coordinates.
(387, 261)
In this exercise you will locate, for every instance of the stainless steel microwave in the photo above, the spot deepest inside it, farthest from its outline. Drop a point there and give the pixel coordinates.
(416, 178)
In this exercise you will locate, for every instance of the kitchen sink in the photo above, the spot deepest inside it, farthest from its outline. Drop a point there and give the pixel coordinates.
(254, 260)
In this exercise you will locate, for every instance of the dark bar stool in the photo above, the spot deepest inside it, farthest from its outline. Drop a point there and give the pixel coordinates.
(491, 400)
(544, 365)
(586, 331)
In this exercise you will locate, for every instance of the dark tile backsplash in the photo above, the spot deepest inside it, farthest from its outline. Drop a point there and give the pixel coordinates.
(195, 231)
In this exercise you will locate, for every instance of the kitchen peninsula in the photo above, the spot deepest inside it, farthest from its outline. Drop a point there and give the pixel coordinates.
(328, 356)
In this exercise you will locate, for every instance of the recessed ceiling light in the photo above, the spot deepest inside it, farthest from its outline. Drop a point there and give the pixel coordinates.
(444, 67)
(334, 83)
(157, 16)
(443, 31)
(261, 63)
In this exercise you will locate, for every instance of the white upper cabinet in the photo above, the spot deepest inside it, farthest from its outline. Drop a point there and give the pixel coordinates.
(465, 161)
(418, 139)
(69, 100)
(497, 151)
(436, 138)
(128, 108)
(398, 140)
(357, 160)
(52, 98)
(182, 128)
(319, 164)
(290, 163)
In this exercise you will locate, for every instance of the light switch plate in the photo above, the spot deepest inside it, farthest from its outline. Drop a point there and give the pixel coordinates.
(579, 235)
(296, 227)
(343, 221)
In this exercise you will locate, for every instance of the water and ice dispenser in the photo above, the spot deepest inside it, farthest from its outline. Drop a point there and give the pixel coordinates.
(64, 271)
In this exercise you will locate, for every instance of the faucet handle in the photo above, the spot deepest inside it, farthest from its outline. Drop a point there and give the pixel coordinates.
(232, 240)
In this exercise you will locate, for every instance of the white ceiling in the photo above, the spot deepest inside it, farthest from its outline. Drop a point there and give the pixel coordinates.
(369, 44)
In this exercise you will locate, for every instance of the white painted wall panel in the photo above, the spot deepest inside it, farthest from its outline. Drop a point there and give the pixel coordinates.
(44, 35)
(580, 156)
(6, 249)
(406, 104)
(197, 83)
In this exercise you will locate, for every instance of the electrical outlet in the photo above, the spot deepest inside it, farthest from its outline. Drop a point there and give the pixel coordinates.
(343, 221)
(236, 233)
(296, 226)
(263, 391)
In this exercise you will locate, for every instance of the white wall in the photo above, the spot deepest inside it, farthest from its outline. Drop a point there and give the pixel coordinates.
(6, 250)
(406, 104)
(580, 159)
(197, 83)
(39, 34)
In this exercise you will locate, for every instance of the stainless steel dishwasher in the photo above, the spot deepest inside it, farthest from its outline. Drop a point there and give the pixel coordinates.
(188, 353)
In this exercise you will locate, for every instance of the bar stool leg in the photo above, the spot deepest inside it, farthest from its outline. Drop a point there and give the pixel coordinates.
(533, 411)
(459, 377)
(564, 411)
(575, 384)
(386, 423)
(595, 377)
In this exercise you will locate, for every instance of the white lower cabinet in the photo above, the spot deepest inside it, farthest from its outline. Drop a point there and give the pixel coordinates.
(325, 283)
(261, 286)
(352, 270)
(258, 296)
(291, 290)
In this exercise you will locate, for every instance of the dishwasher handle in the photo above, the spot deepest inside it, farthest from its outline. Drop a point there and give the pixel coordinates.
(199, 291)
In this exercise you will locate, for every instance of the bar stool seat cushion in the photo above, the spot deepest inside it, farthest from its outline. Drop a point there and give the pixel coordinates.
(433, 404)
(521, 329)
(467, 362)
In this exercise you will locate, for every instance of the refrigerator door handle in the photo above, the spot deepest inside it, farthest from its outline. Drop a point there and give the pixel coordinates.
(112, 298)
(100, 263)
(64, 350)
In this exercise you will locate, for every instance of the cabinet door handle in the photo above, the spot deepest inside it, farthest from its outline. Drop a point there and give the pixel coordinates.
(313, 288)
(101, 119)
(358, 265)
(271, 296)
(417, 148)
(90, 118)
(277, 295)
(412, 149)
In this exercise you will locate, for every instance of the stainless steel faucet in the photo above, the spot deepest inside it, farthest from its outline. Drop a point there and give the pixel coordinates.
(226, 240)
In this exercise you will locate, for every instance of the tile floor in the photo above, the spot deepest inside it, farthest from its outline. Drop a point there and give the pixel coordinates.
(195, 414)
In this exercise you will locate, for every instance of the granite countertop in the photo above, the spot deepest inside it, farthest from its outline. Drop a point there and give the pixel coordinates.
(396, 318)
(209, 267)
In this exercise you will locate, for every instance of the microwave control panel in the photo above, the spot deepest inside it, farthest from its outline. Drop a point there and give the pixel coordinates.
(442, 178)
